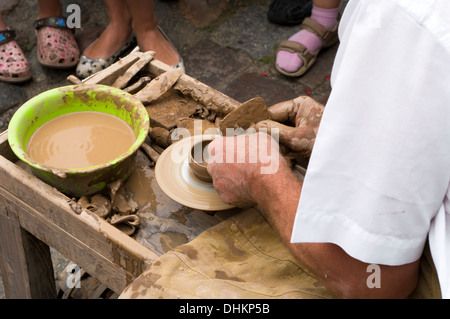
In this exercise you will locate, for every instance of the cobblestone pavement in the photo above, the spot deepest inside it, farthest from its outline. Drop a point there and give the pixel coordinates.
(227, 44)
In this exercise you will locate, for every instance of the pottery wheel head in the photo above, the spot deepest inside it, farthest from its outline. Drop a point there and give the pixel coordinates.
(176, 180)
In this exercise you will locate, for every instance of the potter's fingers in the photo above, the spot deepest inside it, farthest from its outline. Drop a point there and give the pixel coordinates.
(300, 140)
(269, 125)
(305, 111)
(219, 150)
(297, 139)
(215, 149)
(280, 112)
(278, 131)
(293, 110)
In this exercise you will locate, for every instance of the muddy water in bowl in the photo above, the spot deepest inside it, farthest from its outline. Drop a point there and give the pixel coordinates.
(61, 101)
(80, 140)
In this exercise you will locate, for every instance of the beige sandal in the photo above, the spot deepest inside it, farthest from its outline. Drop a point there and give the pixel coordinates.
(328, 36)
(14, 66)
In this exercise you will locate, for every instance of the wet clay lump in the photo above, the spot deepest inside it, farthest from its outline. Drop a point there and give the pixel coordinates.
(80, 140)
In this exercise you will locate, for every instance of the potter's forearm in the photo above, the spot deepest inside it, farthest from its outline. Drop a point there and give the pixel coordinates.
(278, 195)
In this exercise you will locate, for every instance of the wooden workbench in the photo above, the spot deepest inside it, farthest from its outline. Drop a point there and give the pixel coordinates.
(35, 216)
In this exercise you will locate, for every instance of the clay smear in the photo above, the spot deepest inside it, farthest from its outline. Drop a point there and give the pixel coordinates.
(80, 140)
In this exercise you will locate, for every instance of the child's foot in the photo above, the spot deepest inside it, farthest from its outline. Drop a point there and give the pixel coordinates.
(114, 41)
(56, 44)
(14, 66)
(290, 62)
(109, 42)
(155, 40)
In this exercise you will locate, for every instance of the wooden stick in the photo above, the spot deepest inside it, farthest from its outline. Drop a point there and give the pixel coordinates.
(138, 85)
(123, 79)
(158, 86)
(154, 155)
(72, 79)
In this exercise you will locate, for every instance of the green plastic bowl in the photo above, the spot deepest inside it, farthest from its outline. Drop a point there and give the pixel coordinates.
(78, 98)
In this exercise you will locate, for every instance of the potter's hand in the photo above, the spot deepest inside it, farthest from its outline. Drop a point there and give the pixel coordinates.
(240, 165)
(304, 113)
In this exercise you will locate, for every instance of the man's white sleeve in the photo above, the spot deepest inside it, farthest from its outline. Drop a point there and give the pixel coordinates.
(380, 166)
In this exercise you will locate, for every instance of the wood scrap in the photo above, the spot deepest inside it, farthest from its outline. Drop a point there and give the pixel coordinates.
(110, 74)
(72, 79)
(160, 136)
(138, 85)
(158, 86)
(151, 153)
(157, 148)
(122, 81)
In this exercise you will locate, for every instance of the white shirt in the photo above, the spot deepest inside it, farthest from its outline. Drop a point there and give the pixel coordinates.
(378, 180)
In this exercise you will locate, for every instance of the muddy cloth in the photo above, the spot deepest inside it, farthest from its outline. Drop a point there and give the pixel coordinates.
(242, 257)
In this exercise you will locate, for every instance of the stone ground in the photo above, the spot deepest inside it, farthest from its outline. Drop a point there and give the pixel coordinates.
(226, 44)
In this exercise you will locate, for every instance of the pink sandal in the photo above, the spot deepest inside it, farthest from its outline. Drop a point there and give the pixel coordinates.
(56, 45)
(14, 66)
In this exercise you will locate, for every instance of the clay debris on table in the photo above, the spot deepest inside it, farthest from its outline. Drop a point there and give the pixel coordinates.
(117, 207)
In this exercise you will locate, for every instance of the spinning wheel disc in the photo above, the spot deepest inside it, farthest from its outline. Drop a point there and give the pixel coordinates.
(177, 181)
